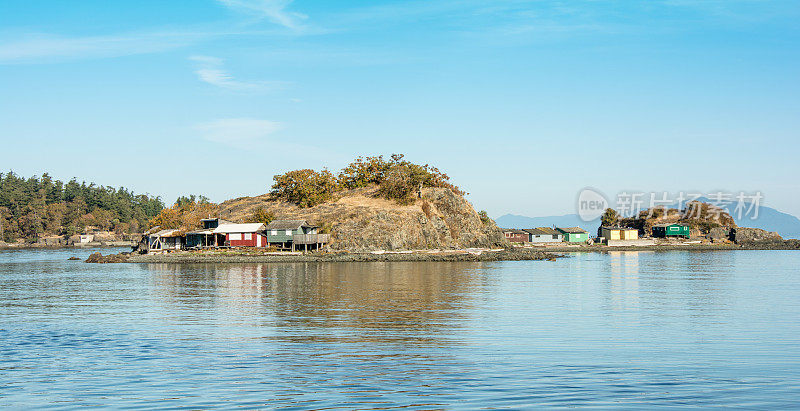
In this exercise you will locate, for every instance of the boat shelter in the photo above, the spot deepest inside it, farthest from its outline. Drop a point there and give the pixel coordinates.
(165, 240)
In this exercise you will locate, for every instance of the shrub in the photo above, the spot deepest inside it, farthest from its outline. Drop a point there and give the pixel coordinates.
(405, 178)
(184, 214)
(325, 227)
(484, 217)
(261, 215)
(306, 187)
(396, 178)
(363, 172)
(399, 185)
(609, 218)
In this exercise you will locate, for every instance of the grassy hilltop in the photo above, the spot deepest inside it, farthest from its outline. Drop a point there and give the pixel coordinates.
(374, 203)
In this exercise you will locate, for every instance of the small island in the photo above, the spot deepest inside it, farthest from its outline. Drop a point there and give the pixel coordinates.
(374, 209)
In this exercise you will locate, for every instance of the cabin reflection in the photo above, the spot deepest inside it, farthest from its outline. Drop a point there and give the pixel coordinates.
(409, 302)
(696, 282)
(624, 285)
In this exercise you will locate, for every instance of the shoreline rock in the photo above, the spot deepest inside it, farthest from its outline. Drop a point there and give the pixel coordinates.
(191, 258)
(111, 258)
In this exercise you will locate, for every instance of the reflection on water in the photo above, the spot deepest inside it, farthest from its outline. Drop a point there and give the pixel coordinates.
(400, 302)
(623, 329)
(624, 287)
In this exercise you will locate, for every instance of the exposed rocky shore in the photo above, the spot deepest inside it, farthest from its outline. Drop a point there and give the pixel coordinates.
(512, 254)
(755, 245)
(105, 259)
(200, 257)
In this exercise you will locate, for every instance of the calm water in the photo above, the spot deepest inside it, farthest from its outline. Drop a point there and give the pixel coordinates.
(624, 329)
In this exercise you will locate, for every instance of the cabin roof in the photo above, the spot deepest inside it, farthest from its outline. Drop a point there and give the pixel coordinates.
(166, 233)
(288, 224)
(572, 230)
(669, 224)
(239, 228)
(206, 232)
(535, 231)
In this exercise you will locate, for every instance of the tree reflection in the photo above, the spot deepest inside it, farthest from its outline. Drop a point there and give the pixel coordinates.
(403, 302)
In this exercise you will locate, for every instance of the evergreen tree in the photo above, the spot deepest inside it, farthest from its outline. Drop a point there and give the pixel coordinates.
(37, 206)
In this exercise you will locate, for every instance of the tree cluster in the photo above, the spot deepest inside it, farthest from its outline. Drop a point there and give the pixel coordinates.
(261, 215)
(33, 207)
(186, 213)
(306, 187)
(699, 215)
(396, 178)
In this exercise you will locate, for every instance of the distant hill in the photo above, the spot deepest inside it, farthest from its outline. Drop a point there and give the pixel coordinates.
(770, 219)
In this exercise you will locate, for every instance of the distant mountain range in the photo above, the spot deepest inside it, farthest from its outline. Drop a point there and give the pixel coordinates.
(770, 219)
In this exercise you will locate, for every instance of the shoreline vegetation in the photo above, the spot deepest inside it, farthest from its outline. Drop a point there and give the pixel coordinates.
(50, 211)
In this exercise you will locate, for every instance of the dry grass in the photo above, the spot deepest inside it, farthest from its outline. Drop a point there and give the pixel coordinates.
(426, 208)
(358, 219)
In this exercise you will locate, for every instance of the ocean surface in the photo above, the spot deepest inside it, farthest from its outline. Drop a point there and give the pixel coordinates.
(616, 330)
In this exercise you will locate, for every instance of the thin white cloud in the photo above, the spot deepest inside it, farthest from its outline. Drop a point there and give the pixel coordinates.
(238, 132)
(46, 48)
(272, 10)
(211, 70)
(24, 47)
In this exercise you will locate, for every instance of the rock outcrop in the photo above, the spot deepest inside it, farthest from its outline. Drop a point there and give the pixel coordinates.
(111, 258)
(700, 217)
(743, 235)
(717, 234)
(358, 220)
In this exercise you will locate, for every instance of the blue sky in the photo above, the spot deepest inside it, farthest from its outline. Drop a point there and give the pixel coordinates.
(523, 103)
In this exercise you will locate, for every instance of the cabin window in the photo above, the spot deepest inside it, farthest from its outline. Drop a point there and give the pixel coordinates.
(288, 232)
(273, 232)
(235, 237)
(248, 236)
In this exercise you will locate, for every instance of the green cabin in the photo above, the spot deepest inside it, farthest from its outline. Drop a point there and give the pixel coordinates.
(574, 234)
(670, 230)
(282, 232)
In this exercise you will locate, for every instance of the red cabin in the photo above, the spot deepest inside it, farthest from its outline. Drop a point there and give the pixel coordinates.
(515, 236)
(243, 235)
